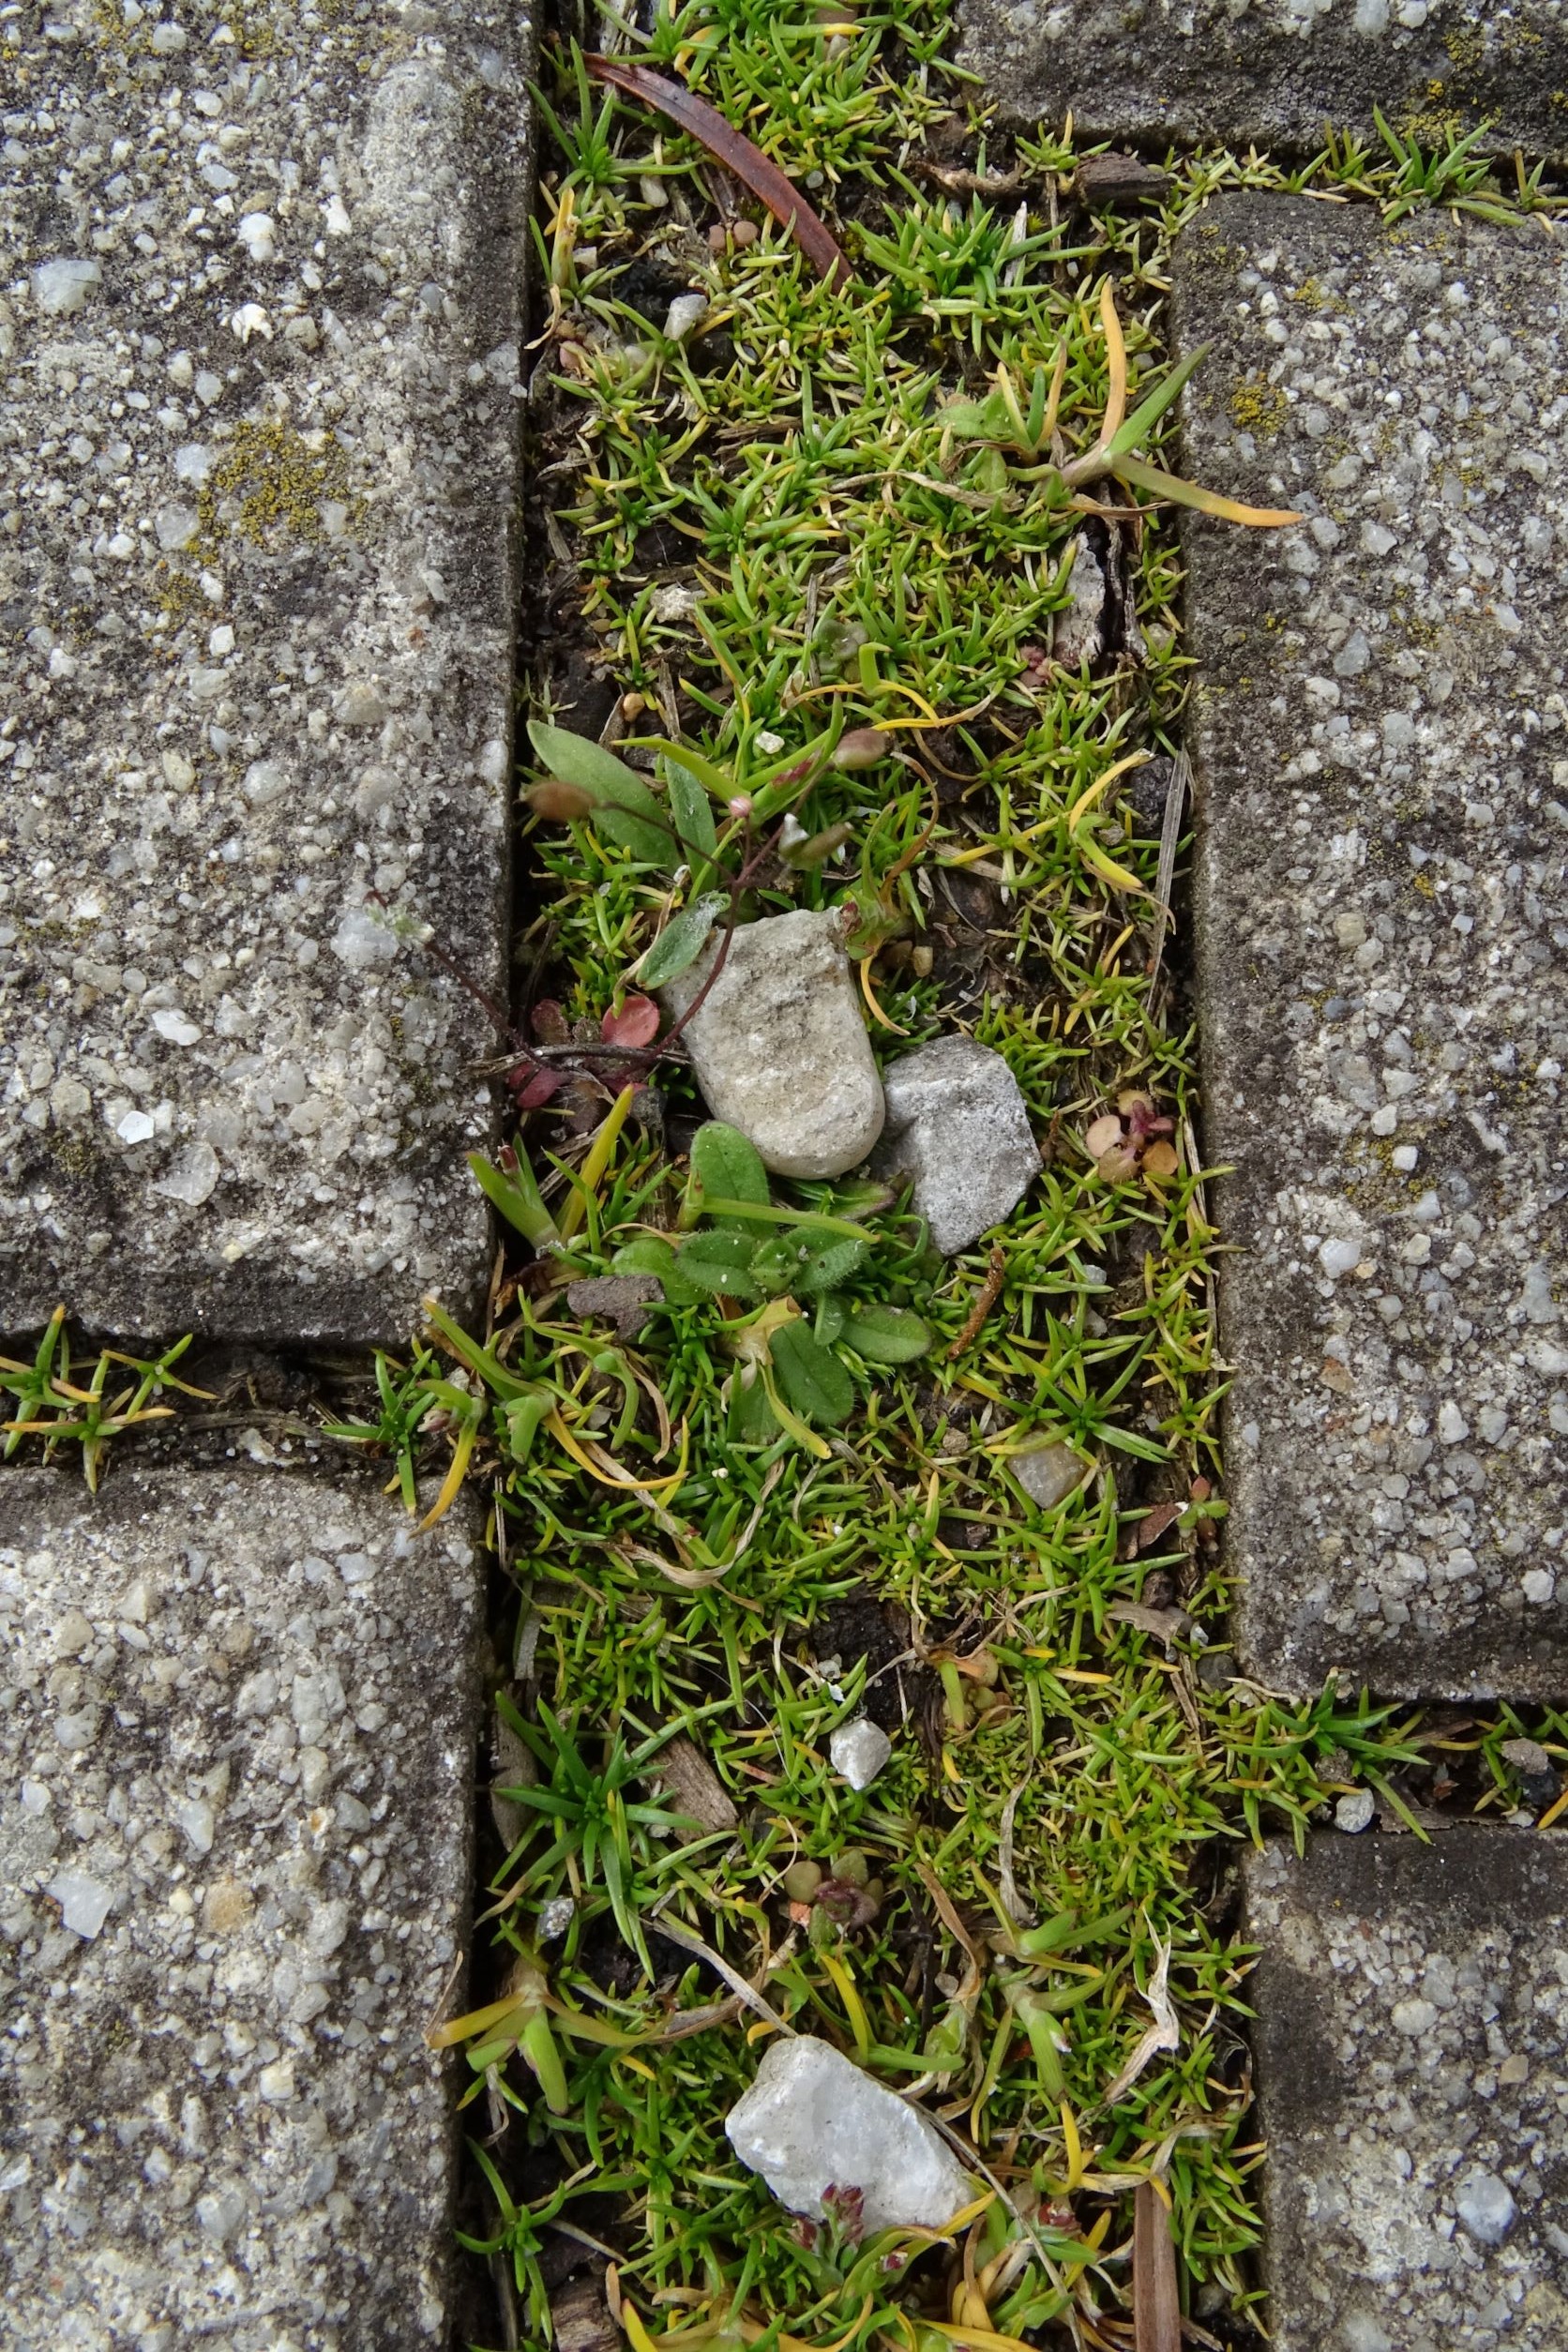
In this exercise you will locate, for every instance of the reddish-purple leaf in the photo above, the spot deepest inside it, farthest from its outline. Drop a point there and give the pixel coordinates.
(635, 1024)
(750, 166)
(532, 1086)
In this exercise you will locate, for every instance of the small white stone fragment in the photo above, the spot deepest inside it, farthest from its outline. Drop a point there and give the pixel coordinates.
(1487, 2208)
(172, 1023)
(859, 1750)
(685, 316)
(1451, 1424)
(1354, 1813)
(1538, 1586)
(61, 287)
(194, 1816)
(248, 320)
(85, 1903)
(363, 942)
(554, 1918)
(257, 232)
(812, 2121)
(1339, 1256)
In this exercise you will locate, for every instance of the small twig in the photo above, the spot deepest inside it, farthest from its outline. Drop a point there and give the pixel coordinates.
(733, 1977)
(1170, 836)
(985, 1298)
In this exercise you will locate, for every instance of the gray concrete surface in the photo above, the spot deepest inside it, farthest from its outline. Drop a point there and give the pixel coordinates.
(1412, 2068)
(240, 1713)
(1378, 737)
(1274, 72)
(259, 285)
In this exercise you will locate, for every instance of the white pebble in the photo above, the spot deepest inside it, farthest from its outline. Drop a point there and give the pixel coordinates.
(175, 1026)
(1487, 2208)
(84, 1904)
(258, 234)
(61, 287)
(859, 1750)
(1339, 1256)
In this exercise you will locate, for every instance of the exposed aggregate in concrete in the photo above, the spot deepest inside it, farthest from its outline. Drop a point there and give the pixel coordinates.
(236, 1719)
(1412, 2052)
(259, 335)
(1382, 928)
(1273, 73)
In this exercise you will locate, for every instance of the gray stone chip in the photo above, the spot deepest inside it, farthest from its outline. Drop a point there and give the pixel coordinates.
(779, 1046)
(958, 1127)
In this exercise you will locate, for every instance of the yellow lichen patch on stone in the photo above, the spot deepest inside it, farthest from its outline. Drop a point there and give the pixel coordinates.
(271, 477)
(1257, 406)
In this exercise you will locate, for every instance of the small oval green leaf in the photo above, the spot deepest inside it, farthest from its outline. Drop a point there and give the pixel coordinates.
(811, 1377)
(681, 941)
(887, 1335)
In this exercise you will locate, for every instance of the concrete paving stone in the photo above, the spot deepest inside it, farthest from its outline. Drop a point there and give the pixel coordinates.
(239, 1712)
(1381, 918)
(259, 337)
(1412, 2048)
(1276, 72)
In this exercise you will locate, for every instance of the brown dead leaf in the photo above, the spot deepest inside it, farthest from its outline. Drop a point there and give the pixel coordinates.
(692, 1786)
(750, 166)
(1167, 1624)
(1156, 2304)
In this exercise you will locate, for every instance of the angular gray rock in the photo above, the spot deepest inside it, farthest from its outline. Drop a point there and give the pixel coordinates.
(813, 2121)
(1381, 925)
(256, 599)
(779, 1045)
(1411, 2051)
(238, 1737)
(1275, 71)
(1047, 1474)
(957, 1127)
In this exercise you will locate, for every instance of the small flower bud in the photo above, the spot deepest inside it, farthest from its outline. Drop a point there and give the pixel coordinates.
(863, 747)
(560, 803)
(741, 804)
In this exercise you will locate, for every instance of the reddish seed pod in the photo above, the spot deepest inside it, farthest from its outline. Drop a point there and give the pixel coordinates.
(562, 804)
(862, 747)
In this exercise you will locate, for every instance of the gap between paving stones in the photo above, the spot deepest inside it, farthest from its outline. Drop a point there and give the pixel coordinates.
(582, 703)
